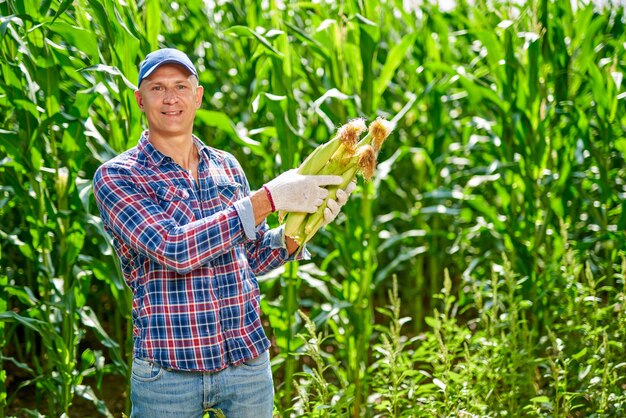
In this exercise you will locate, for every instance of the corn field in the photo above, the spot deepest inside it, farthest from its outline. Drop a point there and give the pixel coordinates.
(479, 273)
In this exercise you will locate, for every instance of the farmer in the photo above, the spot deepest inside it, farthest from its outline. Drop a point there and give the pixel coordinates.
(191, 238)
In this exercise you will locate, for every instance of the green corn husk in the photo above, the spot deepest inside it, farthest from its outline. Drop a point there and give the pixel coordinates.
(294, 227)
(305, 225)
(311, 166)
(365, 163)
(348, 158)
(341, 146)
(322, 153)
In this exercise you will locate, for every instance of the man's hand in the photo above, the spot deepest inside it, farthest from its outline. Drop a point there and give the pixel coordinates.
(333, 207)
(293, 192)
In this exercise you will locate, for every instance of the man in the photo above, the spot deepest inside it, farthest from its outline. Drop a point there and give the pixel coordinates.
(191, 237)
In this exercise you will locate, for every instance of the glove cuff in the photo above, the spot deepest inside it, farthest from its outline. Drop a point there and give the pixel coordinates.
(269, 197)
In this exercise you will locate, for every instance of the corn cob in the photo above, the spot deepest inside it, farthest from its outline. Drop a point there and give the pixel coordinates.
(344, 143)
(366, 163)
(346, 156)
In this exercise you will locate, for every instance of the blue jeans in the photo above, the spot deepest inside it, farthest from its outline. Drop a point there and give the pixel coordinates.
(244, 391)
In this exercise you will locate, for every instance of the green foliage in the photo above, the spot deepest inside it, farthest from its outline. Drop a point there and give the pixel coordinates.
(491, 363)
(498, 202)
(317, 393)
(395, 381)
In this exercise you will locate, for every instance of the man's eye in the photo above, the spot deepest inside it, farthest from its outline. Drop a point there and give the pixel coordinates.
(156, 88)
(181, 87)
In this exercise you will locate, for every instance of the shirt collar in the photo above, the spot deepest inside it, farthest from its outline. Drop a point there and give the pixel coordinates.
(155, 157)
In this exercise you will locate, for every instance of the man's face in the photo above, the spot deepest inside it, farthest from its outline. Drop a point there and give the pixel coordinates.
(169, 97)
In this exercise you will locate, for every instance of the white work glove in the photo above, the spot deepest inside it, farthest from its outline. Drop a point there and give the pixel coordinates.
(294, 192)
(333, 207)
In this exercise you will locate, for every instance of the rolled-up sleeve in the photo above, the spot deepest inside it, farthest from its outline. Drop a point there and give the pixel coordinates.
(246, 215)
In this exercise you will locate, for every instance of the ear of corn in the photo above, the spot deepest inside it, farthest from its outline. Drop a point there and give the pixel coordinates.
(344, 155)
(322, 153)
(335, 150)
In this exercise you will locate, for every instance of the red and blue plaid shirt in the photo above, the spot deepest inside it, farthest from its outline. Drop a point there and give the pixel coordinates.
(189, 252)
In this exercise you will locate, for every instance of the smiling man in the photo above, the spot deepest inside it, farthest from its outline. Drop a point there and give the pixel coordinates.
(191, 238)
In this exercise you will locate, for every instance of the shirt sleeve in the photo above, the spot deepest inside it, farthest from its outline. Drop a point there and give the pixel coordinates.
(275, 238)
(265, 248)
(140, 222)
(269, 251)
(246, 214)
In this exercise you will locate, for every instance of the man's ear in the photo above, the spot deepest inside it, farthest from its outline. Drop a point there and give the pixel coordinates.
(139, 99)
(199, 94)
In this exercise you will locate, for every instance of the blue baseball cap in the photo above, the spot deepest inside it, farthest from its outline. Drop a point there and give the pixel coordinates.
(164, 56)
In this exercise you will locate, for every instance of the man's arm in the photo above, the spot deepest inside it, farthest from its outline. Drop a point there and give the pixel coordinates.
(262, 207)
(140, 222)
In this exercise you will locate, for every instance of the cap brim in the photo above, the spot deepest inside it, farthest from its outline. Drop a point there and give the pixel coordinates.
(150, 70)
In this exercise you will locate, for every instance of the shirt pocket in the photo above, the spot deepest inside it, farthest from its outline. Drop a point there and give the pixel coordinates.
(176, 202)
(172, 193)
(228, 191)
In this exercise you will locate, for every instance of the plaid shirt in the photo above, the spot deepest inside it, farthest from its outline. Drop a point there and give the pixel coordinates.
(189, 252)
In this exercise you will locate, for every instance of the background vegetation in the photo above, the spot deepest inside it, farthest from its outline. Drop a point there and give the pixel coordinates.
(481, 273)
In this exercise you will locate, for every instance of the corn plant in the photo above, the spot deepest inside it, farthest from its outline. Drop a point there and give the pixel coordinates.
(3, 373)
(49, 263)
(498, 207)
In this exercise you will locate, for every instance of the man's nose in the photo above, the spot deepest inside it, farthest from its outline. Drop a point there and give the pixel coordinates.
(169, 96)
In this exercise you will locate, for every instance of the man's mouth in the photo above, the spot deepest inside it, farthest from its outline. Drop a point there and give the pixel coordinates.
(177, 112)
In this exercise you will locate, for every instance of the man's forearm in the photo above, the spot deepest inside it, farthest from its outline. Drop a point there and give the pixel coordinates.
(292, 246)
(262, 207)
